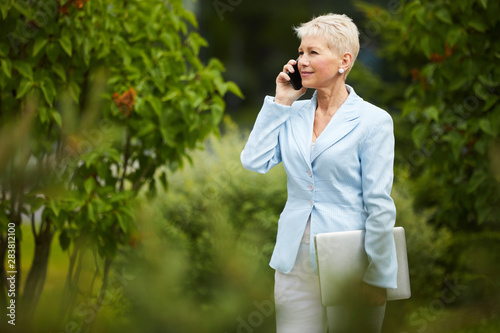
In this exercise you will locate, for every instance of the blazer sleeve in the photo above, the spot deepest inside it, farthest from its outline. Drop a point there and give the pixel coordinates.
(262, 150)
(377, 163)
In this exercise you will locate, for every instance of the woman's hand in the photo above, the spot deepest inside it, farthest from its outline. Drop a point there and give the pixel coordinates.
(372, 295)
(285, 93)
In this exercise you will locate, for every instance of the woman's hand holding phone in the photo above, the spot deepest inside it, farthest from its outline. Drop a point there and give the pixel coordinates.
(286, 94)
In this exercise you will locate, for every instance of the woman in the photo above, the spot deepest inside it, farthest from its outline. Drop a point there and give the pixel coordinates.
(338, 153)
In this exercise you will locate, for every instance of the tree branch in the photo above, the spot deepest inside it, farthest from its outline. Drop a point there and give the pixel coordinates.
(33, 229)
(137, 183)
(125, 160)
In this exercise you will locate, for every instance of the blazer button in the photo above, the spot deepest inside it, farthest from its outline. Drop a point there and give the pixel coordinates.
(311, 188)
(309, 172)
(312, 203)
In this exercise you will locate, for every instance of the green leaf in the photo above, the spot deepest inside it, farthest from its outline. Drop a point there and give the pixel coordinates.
(43, 115)
(171, 95)
(90, 212)
(114, 155)
(74, 91)
(90, 157)
(146, 129)
(169, 40)
(481, 91)
(444, 15)
(233, 87)
(196, 41)
(102, 170)
(168, 137)
(121, 196)
(478, 177)
(484, 3)
(23, 8)
(483, 214)
(485, 125)
(24, 69)
(35, 204)
(458, 83)
(456, 141)
(490, 101)
(4, 50)
(478, 24)
(164, 181)
(488, 81)
(216, 64)
(24, 87)
(56, 116)
(463, 5)
(64, 240)
(39, 44)
(7, 67)
(5, 6)
(190, 17)
(4, 219)
(454, 36)
(54, 207)
(155, 104)
(419, 134)
(146, 59)
(432, 112)
(122, 224)
(52, 51)
(86, 51)
(59, 70)
(48, 89)
(426, 46)
(421, 16)
(65, 42)
(89, 185)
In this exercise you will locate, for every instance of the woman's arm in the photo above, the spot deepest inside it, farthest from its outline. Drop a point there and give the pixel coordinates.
(377, 163)
(262, 151)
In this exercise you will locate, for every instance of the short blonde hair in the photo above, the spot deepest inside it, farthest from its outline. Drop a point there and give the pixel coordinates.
(340, 31)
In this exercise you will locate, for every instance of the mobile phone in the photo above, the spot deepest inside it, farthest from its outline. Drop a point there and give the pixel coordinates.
(295, 78)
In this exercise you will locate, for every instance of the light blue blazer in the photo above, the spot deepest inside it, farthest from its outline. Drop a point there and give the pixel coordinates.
(344, 184)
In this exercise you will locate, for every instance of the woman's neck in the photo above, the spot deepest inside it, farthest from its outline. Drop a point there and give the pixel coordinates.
(331, 99)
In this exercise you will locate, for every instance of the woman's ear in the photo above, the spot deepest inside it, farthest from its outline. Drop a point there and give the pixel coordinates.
(346, 61)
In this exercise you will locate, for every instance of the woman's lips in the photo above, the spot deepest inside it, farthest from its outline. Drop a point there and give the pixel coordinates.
(306, 74)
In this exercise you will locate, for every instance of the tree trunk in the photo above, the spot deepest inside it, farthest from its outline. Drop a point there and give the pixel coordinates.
(71, 286)
(3, 251)
(3, 274)
(36, 278)
(102, 294)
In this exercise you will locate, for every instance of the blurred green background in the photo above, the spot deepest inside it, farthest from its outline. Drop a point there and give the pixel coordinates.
(121, 125)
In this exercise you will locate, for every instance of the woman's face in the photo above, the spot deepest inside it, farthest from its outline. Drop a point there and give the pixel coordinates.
(318, 65)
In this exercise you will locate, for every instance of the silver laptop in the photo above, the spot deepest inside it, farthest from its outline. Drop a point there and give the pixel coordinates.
(342, 263)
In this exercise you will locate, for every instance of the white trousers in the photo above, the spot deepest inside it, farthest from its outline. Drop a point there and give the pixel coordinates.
(299, 308)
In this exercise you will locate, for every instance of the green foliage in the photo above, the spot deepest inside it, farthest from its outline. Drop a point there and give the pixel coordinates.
(427, 248)
(205, 243)
(448, 51)
(103, 93)
(211, 235)
(217, 192)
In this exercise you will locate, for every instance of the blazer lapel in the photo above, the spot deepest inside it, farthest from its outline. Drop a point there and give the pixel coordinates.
(302, 127)
(343, 121)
